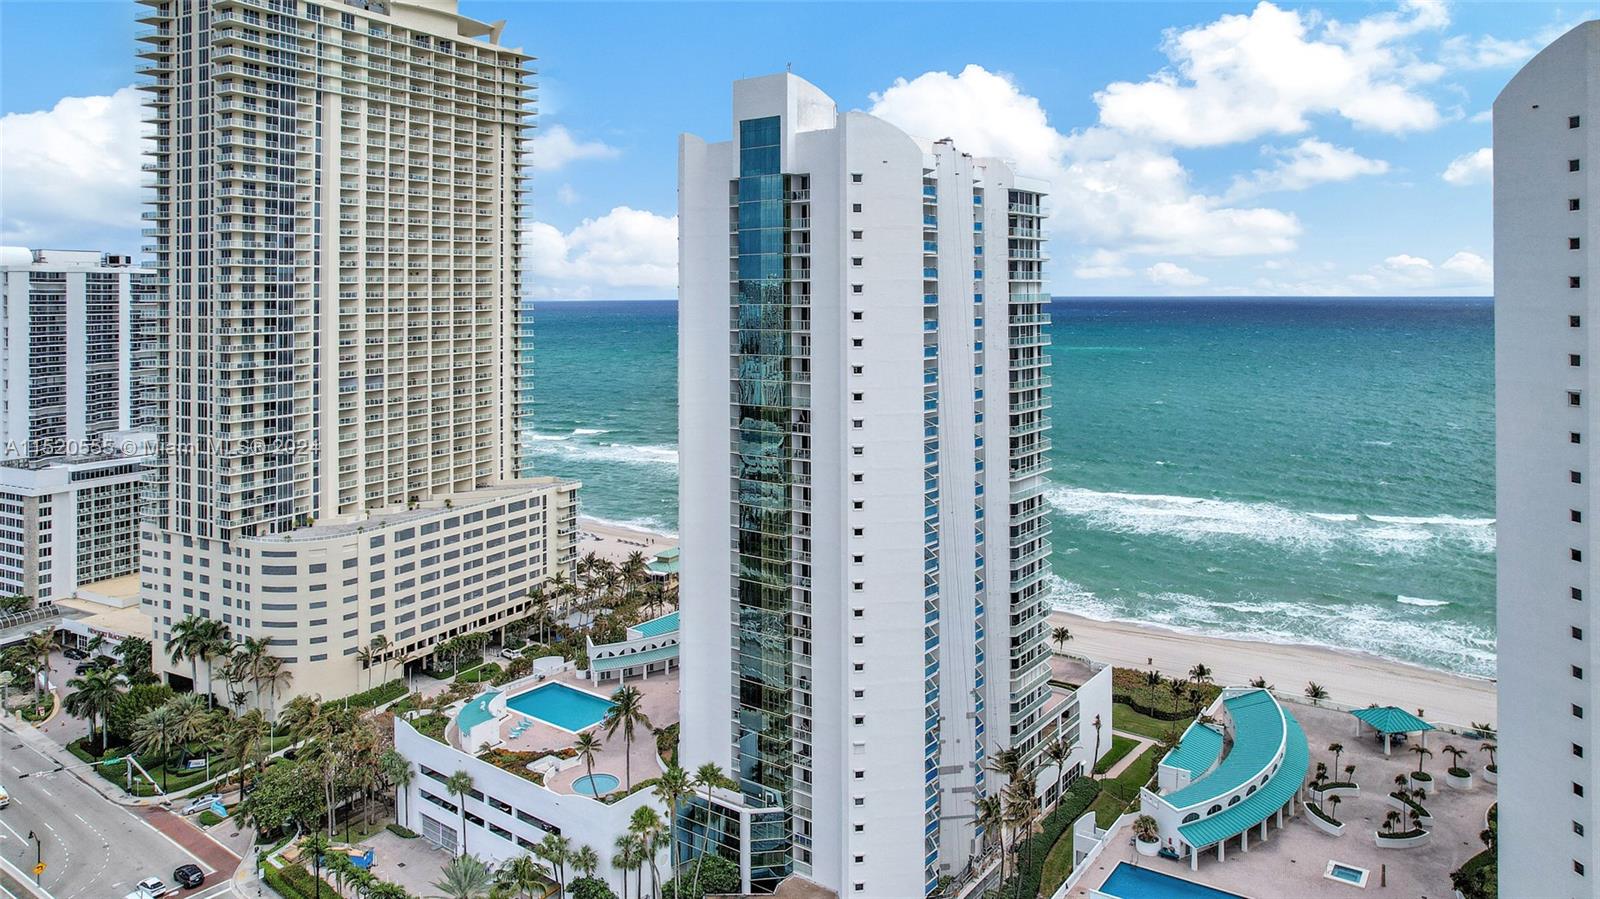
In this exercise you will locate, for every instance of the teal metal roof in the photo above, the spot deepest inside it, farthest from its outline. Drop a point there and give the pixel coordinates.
(655, 627)
(1258, 727)
(1260, 805)
(1392, 720)
(1197, 751)
(628, 660)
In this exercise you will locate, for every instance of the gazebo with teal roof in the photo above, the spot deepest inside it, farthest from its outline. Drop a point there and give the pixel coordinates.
(1388, 721)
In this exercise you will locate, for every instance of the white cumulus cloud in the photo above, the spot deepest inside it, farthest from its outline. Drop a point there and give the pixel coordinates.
(1470, 168)
(1462, 272)
(626, 251)
(69, 175)
(1106, 189)
(1169, 274)
(554, 147)
(1304, 165)
(1268, 72)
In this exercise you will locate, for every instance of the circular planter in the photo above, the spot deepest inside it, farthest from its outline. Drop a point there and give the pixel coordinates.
(1490, 775)
(1457, 781)
(1411, 841)
(1321, 823)
(1147, 849)
(1404, 809)
(1423, 782)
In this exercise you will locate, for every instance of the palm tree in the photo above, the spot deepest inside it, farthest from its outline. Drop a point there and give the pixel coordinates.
(1022, 806)
(316, 846)
(588, 746)
(465, 877)
(365, 656)
(1390, 819)
(188, 635)
(1337, 749)
(586, 861)
(708, 777)
(627, 713)
(1058, 752)
(1060, 635)
(1260, 683)
(275, 678)
(397, 771)
(193, 723)
(459, 785)
(249, 658)
(92, 697)
(36, 650)
(1455, 756)
(990, 817)
(672, 787)
(1096, 759)
(302, 716)
(646, 824)
(521, 876)
(557, 850)
(1316, 692)
(1146, 829)
(243, 740)
(1177, 687)
(155, 733)
(1490, 748)
(379, 647)
(1334, 812)
(1423, 753)
(1200, 673)
(626, 857)
(215, 641)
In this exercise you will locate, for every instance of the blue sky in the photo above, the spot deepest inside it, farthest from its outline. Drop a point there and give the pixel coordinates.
(1193, 147)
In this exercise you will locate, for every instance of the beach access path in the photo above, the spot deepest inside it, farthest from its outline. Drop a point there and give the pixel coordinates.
(1351, 678)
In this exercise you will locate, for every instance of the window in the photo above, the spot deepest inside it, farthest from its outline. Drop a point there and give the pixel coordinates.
(858, 451)
(857, 261)
(1577, 828)
(1577, 788)
(1577, 672)
(1574, 360)
(860, 694)
(1577, 516)
(1572, 205)
(858, 532)
(1577, 867)
(1573, 121)
(857, 341)
(861, 828)
(860, 801)
(1574, 398)
(1574, 321)
(1577, 594)
(860, 858)
(856, 288)
(1575, 476)
(856, 207)
(860, 720)
(856, 235)
(856, 316)
(1574, 243)
(1577, 750)
(856, 369)
(858, 586)
(1577, 633)
(858, 504)
(857, 477)
(1572, 165)
(1577, 710)
(858, 423)
(855, 177)
(860, 666)
(1574, 281)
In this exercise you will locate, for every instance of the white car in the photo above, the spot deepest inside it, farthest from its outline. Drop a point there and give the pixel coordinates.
(511, 654)
(5, 798)
(150, 888)
(201, 803)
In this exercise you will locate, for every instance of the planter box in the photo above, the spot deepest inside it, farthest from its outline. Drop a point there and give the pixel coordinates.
(1458, 783)
(1323, 824)
(1341, 790)
(1425, 821)
(1147, 849)
(1490, 775)
(1425, 785)
(1402, 842)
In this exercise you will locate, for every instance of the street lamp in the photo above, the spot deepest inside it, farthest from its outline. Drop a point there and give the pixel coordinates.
(38, 856)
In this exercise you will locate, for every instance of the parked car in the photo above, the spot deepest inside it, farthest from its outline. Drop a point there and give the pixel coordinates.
(150, 888)
(189, 876)
(75, 654)
(511, 654)
(201, 803)
(5, 798)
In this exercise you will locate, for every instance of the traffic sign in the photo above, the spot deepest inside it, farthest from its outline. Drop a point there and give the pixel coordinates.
(114, 760)
(38, 869)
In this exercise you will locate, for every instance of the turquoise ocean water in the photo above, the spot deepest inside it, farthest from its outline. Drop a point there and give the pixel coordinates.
(1299, 470)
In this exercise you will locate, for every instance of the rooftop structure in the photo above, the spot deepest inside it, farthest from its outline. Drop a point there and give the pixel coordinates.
(649, 648)
(1390, 721)
(1230, 779)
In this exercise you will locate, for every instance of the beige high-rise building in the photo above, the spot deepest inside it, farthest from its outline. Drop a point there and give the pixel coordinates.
(335, 372)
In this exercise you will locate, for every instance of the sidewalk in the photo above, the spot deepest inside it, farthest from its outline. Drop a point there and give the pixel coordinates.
(221, 862)
(1145, 745)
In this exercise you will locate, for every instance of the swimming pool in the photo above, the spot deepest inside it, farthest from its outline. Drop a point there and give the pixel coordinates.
(1130, 882)
(1346, 873)
(475, 712)
(595, 784)
(561, 706)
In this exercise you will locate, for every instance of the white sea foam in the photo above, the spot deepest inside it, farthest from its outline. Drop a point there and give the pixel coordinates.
(589, 432)
(649, 524)
(1198, 519)
(1419, 601)
(625, 453)
(1361, 626)
(546, 437)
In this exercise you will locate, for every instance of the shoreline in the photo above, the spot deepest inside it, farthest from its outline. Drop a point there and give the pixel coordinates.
(1351, 677)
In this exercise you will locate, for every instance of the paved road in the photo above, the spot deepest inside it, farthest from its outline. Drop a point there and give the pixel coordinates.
(93, 848)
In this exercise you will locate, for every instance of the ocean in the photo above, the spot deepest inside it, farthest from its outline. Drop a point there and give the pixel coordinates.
(1290, 470)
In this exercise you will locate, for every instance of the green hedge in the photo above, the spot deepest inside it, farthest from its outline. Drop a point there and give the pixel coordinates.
(1033, 852)
(382, 693)
(401, 831)
(295, 882)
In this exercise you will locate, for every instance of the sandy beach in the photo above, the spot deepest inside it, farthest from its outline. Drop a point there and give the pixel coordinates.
(1352, 679)
(616, 543)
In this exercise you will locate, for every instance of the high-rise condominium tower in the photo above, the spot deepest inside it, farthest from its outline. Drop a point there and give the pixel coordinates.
(863, 435)
(1547, 320)
(70, 465)
(335, 210)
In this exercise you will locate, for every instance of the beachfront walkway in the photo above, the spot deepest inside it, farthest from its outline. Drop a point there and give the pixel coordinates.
(1291, 861)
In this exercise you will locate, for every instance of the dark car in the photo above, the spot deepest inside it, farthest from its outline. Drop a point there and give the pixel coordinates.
(75, 654)
(188, 876)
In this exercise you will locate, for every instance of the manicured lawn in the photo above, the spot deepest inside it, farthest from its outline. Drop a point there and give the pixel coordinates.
(1107, 809)
(1120, 746)
(1057, 865)
(1125, 718)
(1126, 785)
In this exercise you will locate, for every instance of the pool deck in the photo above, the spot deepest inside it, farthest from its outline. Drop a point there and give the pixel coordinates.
(660, 694)
(1292, 860)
